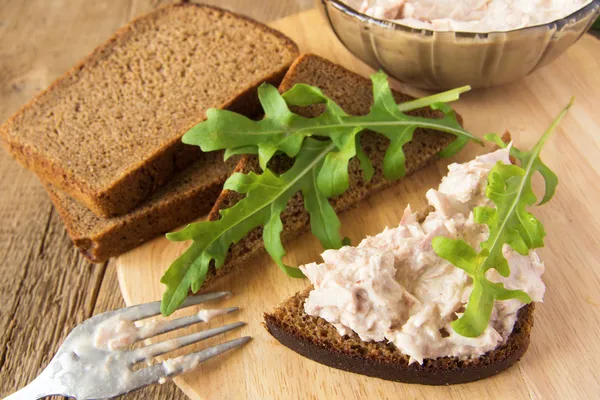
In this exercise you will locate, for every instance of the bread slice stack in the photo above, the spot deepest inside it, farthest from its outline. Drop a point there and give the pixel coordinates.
(105, 138)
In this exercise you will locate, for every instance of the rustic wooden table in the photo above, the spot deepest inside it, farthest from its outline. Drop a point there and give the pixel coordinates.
(46, 287)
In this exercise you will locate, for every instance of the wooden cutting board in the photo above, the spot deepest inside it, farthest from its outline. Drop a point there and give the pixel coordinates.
(563, 360)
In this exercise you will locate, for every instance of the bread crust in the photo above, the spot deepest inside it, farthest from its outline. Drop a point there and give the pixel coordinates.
(441, 371)
(111, 237)
(144, 177)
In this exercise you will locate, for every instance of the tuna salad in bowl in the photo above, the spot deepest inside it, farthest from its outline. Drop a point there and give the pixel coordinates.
(441, 44)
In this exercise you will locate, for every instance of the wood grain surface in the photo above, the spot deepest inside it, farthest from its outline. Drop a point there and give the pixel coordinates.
(46, 287)
(562, 362)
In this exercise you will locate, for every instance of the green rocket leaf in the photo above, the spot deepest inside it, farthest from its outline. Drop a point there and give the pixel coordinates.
(282, 130)
(266, 197)
(509, 187)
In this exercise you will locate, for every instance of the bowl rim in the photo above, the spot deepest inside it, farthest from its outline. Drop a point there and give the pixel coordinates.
(386, 23)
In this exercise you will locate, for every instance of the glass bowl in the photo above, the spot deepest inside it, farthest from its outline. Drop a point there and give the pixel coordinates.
(442, 60)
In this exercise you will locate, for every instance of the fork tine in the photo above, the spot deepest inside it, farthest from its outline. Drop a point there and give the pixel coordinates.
(193, 359)
(178, 323)
(153, 350)
(154, 373)
(147, 310)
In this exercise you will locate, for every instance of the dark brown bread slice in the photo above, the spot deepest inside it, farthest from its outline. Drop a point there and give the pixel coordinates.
(188, 195)
(108, 132)
(354, 94)
(317, 339)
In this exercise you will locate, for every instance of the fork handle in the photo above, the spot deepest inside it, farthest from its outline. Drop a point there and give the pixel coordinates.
(38, 388)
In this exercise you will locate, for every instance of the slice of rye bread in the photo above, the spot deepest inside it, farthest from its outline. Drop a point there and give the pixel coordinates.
(317, 339)
(354, 94)
(108, 132)
(188, 195)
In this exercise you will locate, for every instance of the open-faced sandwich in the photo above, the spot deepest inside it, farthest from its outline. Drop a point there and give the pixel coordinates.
(445, 297)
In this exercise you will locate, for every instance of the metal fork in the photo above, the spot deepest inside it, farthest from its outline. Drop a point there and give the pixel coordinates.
(85, 369)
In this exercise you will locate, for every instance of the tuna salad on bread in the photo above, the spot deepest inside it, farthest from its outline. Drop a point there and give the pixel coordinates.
(445, 297)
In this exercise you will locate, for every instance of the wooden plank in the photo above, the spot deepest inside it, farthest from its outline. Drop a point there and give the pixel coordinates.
(40, 268)
(40, 40)
(561, 360)
(46, 287)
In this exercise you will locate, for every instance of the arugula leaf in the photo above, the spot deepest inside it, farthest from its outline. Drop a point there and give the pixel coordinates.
(364, 161)
(282, 130)
(266, 197)
(322, 147)
(509, 187)
(230, 152)
(550, 177)
(333, 177)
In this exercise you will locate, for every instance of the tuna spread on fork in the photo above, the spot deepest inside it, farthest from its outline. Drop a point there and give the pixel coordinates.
(394, 287)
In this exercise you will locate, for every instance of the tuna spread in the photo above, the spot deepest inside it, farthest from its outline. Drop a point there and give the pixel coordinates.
(469, 15)
(394, 287)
